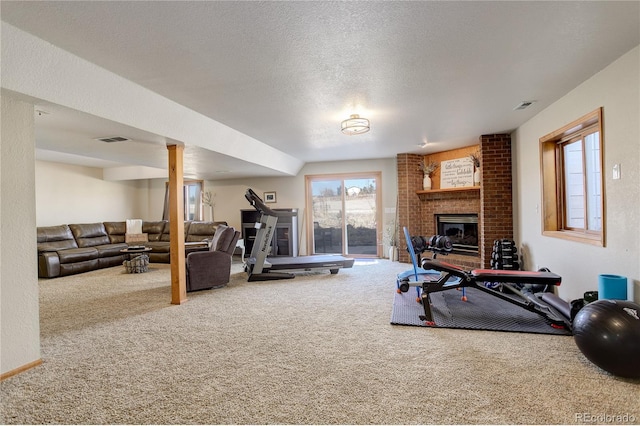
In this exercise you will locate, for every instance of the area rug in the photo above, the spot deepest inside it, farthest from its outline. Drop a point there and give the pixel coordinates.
(481, 311)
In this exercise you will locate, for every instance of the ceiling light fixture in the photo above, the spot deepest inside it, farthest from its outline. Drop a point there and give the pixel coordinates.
(354, 125)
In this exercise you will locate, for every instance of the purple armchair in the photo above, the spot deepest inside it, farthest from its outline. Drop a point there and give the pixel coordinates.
(212, 269)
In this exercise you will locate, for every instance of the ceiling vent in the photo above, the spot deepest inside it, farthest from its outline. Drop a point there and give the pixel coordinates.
(112, 139)
(523, 105)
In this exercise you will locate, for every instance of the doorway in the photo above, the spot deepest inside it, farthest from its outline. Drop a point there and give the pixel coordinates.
(345, 212)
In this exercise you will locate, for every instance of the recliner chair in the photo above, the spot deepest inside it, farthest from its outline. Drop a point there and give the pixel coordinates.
(212, 269)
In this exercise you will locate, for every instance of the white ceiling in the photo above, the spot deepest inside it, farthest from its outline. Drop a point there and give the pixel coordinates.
(287, 73)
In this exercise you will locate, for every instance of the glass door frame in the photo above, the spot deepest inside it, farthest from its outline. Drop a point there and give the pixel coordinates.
(309, 179)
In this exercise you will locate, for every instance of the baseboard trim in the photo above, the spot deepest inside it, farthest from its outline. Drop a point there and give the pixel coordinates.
(20, 369)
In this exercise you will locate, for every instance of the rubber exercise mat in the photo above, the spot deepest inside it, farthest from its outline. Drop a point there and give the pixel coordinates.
(480, 312)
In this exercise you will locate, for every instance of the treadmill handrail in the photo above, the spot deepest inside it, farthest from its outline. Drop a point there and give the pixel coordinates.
(257, 203)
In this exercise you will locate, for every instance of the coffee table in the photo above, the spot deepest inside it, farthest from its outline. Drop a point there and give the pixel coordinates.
(130, 251)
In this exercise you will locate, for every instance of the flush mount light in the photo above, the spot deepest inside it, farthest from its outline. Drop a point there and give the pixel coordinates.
(354, 125)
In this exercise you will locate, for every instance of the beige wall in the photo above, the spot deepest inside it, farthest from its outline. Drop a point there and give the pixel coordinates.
(19, 306)
(77, 194)
(617, 90)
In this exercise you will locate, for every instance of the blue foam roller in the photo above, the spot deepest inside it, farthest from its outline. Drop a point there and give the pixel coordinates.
(612, 287)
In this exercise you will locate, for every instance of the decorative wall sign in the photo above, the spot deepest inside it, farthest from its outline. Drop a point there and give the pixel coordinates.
(456, 173)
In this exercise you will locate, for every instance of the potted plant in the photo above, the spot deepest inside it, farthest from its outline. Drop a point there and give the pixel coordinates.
(475, 159)
(389, 237)
(209, 200)
(427, 169)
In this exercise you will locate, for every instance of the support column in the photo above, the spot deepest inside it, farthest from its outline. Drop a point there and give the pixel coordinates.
(176, 225)
(409, 205)
(19, 304)
(496, 198)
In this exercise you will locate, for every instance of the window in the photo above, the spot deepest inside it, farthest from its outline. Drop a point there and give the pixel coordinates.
(572, 181)
(192, 200)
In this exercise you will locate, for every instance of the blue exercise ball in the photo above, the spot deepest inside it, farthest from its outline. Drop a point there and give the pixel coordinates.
(607, 332)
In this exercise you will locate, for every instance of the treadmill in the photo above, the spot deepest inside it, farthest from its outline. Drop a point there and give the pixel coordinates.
(262, 268)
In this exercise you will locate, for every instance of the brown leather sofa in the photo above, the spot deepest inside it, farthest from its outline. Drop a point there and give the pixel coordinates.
(76, 248)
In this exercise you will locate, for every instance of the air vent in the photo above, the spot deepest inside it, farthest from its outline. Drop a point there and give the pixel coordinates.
(112, 139)
(523, 105)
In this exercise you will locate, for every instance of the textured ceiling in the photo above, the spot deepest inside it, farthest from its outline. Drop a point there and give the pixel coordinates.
(287, 73)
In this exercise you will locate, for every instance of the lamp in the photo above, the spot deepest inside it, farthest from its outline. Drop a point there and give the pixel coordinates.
(354, 125)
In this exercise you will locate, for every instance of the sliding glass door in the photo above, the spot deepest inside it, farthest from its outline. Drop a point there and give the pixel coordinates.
(345, 213)
(327, 215)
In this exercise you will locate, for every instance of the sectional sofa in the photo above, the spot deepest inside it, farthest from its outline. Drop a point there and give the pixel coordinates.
(76, 248)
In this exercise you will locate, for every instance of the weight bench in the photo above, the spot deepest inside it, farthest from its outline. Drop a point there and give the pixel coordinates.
(516, 277)
(526, 299)
(453, 277)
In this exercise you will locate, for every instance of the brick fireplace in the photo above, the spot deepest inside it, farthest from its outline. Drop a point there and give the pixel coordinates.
(491, 202)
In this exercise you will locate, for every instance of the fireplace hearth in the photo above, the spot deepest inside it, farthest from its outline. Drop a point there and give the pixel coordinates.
(462, 229)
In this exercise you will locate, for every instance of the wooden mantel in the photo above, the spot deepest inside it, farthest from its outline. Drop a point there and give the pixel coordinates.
(436, 191)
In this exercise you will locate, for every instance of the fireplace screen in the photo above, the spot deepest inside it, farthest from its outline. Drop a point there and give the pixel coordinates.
(462, 229)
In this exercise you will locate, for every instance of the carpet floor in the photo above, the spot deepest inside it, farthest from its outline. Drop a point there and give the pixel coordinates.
(318, 349)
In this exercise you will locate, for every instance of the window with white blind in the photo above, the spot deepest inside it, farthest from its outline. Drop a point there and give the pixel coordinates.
(572, 181)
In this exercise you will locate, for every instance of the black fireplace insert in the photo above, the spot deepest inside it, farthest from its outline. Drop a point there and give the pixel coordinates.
(462, 229)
